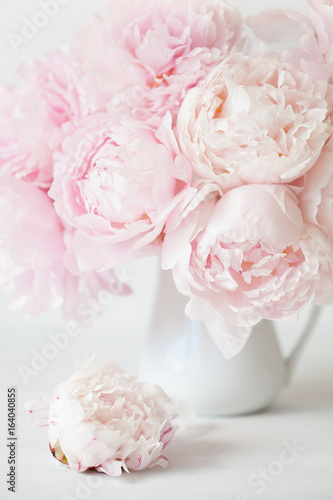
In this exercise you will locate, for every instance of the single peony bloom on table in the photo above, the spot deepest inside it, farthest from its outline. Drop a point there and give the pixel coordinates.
(254, 121)
(246, 255)
(102, 418)
(116, 184)
(147, 53)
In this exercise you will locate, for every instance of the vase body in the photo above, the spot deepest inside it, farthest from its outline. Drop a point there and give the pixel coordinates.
(180, 356)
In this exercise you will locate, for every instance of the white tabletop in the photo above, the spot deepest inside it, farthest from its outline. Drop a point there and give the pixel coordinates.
(216, 458)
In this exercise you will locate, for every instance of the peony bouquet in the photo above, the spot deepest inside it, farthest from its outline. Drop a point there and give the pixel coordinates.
(164, 129)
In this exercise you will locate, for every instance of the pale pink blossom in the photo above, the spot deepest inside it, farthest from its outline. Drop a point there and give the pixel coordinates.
(147, 53)
(254, 121)
(245, 255)
(31, 247)
(103, 418)
(37, 268)
(116, 183)
(316, 192)
(314, 51)
(57, 79)
(32, 117)
(25, 134)
(316, 201)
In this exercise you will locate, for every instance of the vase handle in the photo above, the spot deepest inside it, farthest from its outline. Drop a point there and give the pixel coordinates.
(292, 360)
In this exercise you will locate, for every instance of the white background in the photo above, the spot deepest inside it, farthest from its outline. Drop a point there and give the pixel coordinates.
(215, 457)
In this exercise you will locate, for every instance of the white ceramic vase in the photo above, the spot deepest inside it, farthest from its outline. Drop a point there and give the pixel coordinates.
(180, 356)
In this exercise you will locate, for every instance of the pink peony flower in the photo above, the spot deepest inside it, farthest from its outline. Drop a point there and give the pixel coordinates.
(32, 117)
(245, 255)
(58, 81)
(116, 184)
(102, 418)
(314, 52)
(316, 203)
(254, 121)
(37, 269)
(31, 247)
(147, 53)
(25, 133)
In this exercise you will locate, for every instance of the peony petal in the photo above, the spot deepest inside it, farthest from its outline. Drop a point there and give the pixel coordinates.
(236, 217)
(275, 25)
